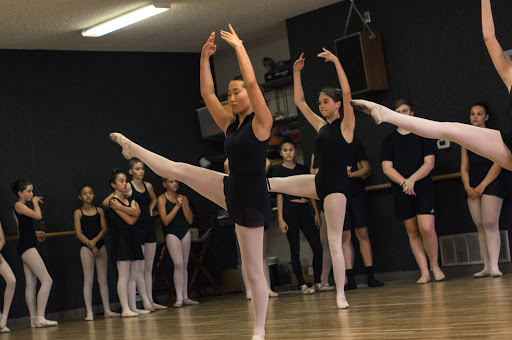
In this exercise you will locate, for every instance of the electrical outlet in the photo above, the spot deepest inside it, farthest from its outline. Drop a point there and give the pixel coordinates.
(310, 271)
(443, 144)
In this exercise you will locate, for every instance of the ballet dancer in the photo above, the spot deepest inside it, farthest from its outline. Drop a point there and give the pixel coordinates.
(90, 228)
(331, 183)
(486, 190)
(126, 252)
(176, 217)
(33, 264)
(244, 192)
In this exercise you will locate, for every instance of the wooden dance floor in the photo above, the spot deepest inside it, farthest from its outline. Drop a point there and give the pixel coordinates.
(454, 309)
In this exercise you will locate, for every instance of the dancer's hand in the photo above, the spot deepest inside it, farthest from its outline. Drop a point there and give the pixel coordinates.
(283, 227)
(298, 65)
(114, 204)
(471, 193)
(479, 190)
(41, 236)
(408, 187)
(185, 201)
(96, 252)
(91, 244)
(180, 200)
(209, 48)
(231, 37)
(318, 221)
(349, 171)
(37, 199)
(327, 55)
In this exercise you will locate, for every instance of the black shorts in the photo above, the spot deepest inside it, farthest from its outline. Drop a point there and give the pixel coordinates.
(356, 215)
(407, 206)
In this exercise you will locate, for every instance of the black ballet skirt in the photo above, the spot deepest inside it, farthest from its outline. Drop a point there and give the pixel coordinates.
(245, 189)
(332, 150)
(507, 136)
(124, 245)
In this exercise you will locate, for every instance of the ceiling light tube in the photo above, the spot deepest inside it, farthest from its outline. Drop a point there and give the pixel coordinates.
(126, 19)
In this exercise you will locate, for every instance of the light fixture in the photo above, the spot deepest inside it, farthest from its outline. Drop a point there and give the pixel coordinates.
(126, 19)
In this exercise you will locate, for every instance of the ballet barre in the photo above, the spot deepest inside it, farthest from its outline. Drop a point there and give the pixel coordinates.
(434, 178)
(47, 235)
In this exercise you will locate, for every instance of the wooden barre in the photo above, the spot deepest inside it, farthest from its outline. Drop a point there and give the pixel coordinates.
(48, 235)
(434, 178)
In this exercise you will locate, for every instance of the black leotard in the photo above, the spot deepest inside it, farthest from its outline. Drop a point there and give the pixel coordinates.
(178, 226)
(245, 188)
(124, 245)
(28, 238)
(331, 149)
(91, 227)
(145, 229)
(478, 169)
(507, 136)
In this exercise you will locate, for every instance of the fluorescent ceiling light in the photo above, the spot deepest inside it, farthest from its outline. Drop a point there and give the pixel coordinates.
(126, 19)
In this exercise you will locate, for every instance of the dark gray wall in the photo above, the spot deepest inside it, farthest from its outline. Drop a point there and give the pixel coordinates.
(58, 109)
(435, 56)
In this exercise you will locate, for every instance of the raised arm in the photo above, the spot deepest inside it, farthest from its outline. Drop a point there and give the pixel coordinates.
(502, 64)
(349, 120)
(263, 120)
(298, 95)
(222, 118)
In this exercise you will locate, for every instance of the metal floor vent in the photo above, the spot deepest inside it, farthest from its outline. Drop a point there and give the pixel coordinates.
(463, 249)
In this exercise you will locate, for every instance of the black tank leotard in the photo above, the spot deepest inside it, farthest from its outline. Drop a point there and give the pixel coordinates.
(145, 229)
(507, 136)
(179, 226)
(28, 238)
(91, 227)
(124, 245)
(478, 169)
(245, 188)
(331, 149)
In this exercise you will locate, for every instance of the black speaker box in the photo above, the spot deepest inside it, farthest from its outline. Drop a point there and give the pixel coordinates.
(362, 58)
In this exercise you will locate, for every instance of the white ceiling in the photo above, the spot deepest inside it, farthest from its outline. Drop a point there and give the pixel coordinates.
(57, 24)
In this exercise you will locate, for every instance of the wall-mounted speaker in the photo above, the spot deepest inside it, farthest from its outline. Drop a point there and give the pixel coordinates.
(362, 57)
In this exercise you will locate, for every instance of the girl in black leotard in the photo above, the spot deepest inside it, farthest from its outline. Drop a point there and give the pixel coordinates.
(488, 143)
(244, 193)
(331, 183)
(32, 262)
(90, 228)
(125, 251)
(485, 189)
(10, 284)
(294, 215)
(142, 192)
(176, 217)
